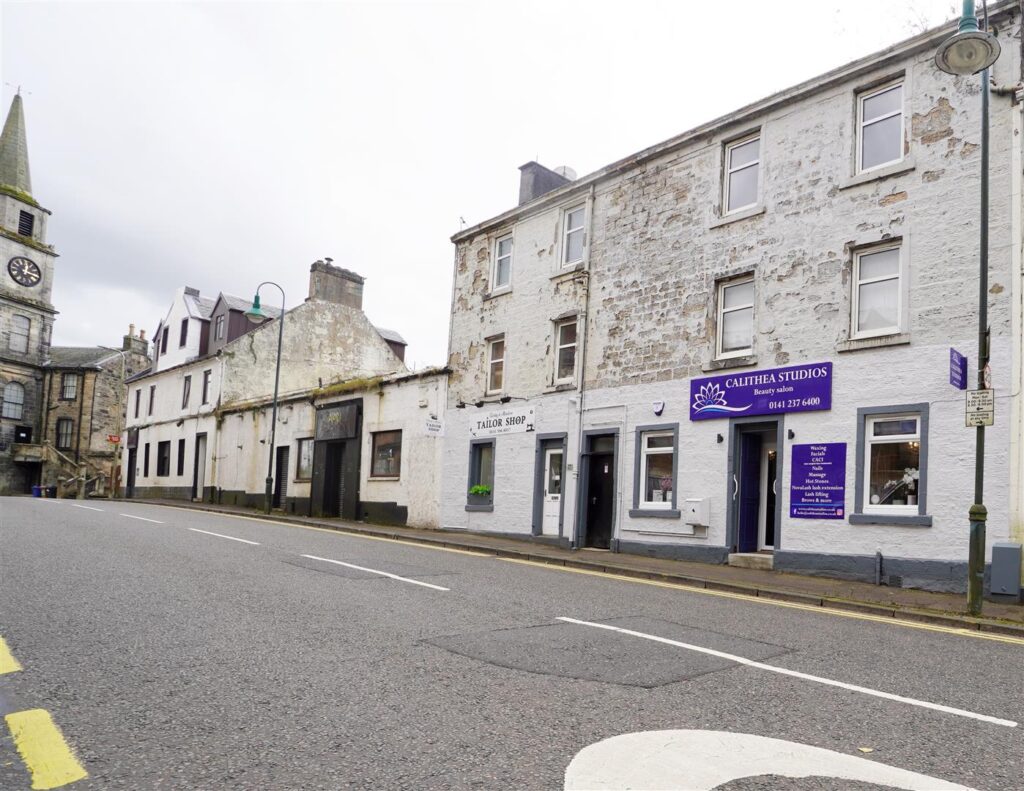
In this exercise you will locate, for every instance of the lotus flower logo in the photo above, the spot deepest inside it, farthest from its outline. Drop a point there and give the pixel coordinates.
(711, 398)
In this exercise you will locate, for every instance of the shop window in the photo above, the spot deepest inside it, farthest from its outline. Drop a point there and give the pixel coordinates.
(163, 459)
(742, 173)
(65, 430)
(206, 386)
(387, 454)
(14, 401)
(892, 465)
(735, 318)
(565, 357)
(68, 387)
(496, 365)
(502, 277)
(17, 341)
(880, 127)
(181, 457)
(876, 292)
(304, 467)
(654, 491)
(481, 475)
(573, 235)
(186, 392)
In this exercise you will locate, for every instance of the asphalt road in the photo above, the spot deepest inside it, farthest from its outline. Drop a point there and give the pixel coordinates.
(170, 657)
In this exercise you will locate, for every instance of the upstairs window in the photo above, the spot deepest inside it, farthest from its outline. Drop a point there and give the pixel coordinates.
(152, 398)
(138, 399)
(880, 127)
(26, 223)
(68, 387)
(218, 328)
(184, 333)
(502, 277)
(387, 454)
(573, 235)
(163, 341)
(742, 173)
(206, 386)
(876, 292)
(736, 318)
(18, 339)
(565, 356)
(496, 365)
(65, 428)
(186, 392)
(14, 401)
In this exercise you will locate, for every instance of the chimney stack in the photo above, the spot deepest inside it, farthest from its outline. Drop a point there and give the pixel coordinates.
(136, 344)
(329, 283)
(536, 180)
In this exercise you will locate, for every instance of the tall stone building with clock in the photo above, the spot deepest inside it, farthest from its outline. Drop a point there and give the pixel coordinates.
(26, 310)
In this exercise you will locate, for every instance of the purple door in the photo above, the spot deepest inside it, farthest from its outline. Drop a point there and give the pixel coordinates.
(750, 492)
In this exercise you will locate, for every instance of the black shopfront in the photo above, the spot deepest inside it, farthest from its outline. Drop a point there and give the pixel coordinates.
(336, 452)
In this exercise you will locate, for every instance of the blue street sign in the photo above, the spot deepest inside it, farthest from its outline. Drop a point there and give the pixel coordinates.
(957, 369)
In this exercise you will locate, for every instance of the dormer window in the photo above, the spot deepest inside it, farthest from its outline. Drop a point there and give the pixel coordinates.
(26, 223)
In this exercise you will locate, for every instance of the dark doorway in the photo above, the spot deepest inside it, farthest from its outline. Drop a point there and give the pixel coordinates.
(130, 483)
(599, 495)
(755, 478)
(281, 477)
(199, 469)
(333, 478)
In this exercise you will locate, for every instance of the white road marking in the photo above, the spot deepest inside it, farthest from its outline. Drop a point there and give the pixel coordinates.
(797, 674)
(142, 519)
(86, 507)
(375, 571)
(220, 535)
(703, 760)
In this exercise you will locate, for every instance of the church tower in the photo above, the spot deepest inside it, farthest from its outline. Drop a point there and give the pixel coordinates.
(26, 310)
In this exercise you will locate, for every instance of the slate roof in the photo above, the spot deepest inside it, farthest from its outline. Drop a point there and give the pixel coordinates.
(391, 335)
(77, 356)
(237, 303)
(204, 305)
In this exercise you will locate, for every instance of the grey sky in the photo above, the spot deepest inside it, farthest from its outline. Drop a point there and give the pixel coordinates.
(220, 144)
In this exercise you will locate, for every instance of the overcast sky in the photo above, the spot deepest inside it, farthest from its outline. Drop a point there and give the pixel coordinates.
(219, 144)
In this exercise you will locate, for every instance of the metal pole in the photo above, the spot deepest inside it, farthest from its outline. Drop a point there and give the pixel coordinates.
(978, 513)
(269, 493)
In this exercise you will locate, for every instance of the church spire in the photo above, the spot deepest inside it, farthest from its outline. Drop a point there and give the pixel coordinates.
(14, 174)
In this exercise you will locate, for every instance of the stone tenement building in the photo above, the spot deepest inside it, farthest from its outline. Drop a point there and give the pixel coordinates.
(734, 346)
(357, 433)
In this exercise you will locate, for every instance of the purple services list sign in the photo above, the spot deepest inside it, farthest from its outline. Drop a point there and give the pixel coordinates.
(797, 388)
(818, 481)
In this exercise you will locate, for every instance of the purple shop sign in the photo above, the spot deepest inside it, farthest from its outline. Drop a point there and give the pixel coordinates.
(817, 487)
(957, 369)
(797, 388)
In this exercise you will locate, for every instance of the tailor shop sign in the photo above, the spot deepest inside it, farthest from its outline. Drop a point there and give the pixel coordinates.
(796, 388)
(502, 421)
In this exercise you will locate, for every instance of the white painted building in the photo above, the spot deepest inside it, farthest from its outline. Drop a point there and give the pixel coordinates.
(736, 343)
(200, 428)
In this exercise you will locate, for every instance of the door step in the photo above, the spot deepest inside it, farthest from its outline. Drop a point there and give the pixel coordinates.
(752, 560)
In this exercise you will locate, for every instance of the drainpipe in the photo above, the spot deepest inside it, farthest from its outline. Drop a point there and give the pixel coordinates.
(583, 371)
(1017, 320)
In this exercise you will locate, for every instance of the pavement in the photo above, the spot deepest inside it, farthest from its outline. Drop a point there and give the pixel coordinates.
(906, 603)
(180, 648)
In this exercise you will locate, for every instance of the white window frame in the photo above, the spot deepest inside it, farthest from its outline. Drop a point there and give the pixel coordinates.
(492, 361)
(497, 288)
(645, 454)
(855, 333)
(888, 439)
(863, 97)
(729, 170)
(722, 310)
(559, 326)
(218, 327)
(25, 336)
(567, 231)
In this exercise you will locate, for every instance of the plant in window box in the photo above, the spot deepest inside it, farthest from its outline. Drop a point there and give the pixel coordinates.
(480, 494)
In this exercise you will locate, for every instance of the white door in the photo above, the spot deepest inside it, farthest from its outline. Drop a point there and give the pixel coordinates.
(552, 491)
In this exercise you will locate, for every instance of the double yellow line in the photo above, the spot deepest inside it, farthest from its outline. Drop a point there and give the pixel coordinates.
(46, 755)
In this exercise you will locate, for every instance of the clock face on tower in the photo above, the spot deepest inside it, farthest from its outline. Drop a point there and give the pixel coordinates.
(24, 271)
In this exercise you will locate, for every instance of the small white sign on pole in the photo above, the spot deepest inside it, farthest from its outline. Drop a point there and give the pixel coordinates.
(980, 408)
(502, 421)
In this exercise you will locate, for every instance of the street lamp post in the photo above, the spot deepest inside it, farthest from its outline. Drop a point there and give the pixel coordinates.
(970, 51)
(120, 419)
(256, 315)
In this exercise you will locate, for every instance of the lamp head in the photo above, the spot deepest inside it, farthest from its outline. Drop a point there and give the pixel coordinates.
(967, 52)
(255, 314)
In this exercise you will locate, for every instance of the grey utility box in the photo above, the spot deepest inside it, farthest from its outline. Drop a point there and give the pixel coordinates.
(1005, 579)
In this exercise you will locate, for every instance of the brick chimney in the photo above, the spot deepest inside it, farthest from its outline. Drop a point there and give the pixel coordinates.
(329, 283)
(536, 180)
